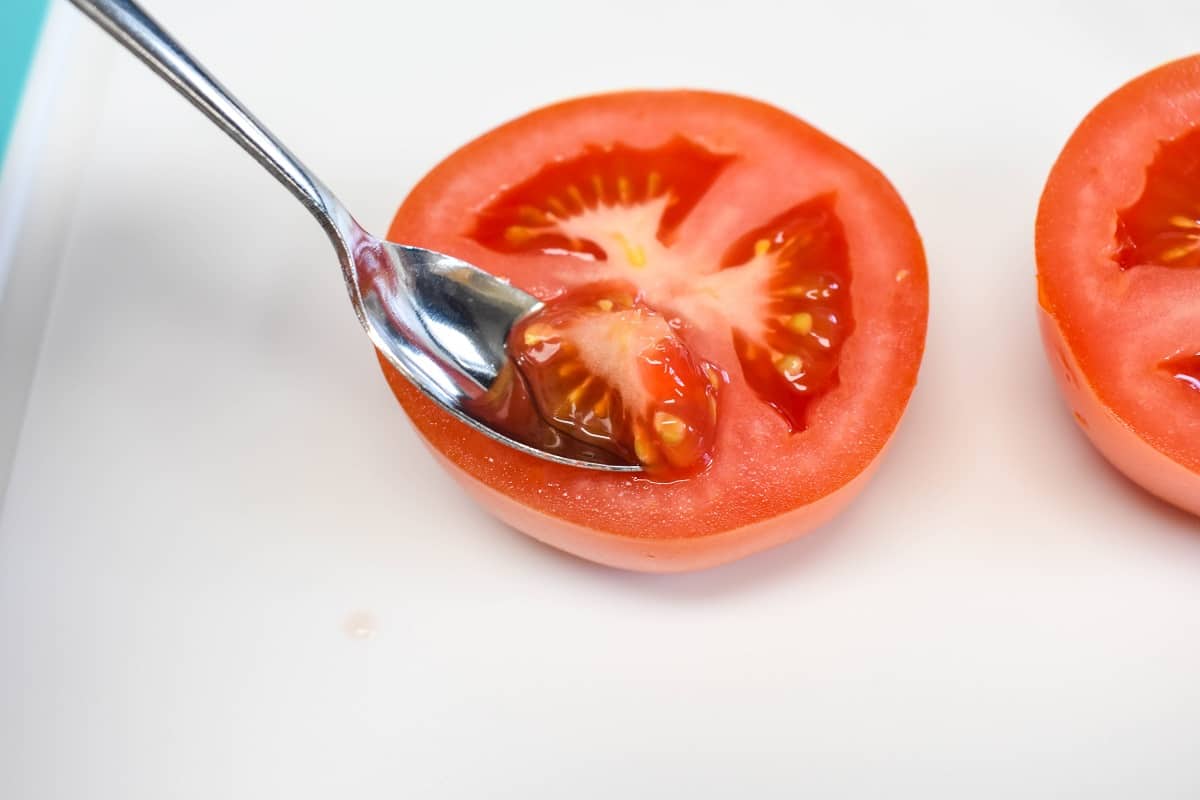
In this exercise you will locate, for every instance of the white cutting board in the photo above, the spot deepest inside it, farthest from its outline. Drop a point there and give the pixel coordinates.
(229, 570)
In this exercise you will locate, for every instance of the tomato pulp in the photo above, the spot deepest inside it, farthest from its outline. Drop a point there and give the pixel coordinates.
(1118, 253)
(735, 300)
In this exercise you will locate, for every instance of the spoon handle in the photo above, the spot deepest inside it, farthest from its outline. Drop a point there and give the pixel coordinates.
(137, 31)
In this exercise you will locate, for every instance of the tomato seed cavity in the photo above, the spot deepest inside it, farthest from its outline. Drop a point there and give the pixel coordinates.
(1184, 368)
(1163, 227)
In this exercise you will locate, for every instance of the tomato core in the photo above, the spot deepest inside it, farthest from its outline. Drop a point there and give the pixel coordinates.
(779, 292)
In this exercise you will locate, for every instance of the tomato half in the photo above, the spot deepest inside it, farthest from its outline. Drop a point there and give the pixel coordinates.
(1118, 254)
(735, 297)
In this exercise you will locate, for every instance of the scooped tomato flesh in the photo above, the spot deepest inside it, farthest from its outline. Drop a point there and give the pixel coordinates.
(1118, 251)
(732, 299)
(612, 372)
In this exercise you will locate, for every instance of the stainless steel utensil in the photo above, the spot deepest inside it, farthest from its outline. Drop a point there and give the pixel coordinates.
(440, 321)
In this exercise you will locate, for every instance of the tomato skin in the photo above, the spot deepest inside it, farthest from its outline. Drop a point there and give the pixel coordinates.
(1121, 444)
(765, 485)
(653, 555)
(1107, 325)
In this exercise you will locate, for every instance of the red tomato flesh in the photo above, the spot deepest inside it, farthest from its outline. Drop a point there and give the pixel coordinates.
(1118, 251)
(733, 300)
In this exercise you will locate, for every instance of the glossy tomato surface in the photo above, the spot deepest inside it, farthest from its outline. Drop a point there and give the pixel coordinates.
(1118, 253)
(738, 301)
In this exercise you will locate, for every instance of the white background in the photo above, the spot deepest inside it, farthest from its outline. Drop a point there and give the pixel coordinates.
(228, 569)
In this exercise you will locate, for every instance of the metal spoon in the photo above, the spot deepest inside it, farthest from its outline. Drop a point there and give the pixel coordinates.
(440, 321)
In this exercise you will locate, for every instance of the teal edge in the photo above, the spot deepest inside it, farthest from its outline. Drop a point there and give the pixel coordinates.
(20, 23)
